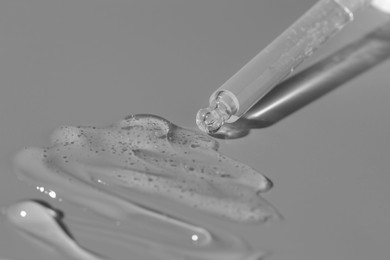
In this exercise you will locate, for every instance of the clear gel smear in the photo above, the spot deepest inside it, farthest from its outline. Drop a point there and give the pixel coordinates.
(149, 177)
(44, 224)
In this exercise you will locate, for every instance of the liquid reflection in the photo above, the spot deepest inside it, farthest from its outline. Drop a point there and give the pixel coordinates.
(148, 175)
(44, 225)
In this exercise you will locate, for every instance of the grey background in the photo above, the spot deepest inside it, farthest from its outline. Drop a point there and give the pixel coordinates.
(94, 62)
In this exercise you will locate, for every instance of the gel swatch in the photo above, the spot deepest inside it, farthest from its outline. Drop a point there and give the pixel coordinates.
(154, 173)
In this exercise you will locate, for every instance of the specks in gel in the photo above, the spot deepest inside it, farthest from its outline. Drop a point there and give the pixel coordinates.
(131, 167)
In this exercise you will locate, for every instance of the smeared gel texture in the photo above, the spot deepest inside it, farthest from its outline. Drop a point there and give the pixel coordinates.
(140, 168)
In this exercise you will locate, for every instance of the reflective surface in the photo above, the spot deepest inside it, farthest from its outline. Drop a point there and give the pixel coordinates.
(94, 62)
(43, 225)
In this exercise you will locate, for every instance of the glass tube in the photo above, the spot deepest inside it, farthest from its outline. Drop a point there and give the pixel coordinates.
(277, 61)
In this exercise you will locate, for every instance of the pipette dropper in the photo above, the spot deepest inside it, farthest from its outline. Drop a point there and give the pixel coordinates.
(276, 62)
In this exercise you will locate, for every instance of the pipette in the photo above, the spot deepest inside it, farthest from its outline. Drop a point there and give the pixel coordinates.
(277, 61)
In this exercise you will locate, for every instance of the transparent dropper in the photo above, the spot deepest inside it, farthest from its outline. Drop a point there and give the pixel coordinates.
(223, 105)
(277, 61)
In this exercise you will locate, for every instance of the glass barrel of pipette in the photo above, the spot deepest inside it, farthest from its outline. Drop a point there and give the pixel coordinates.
(285, 53)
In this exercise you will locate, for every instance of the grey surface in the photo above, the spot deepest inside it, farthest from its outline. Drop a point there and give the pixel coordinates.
(94, 62)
